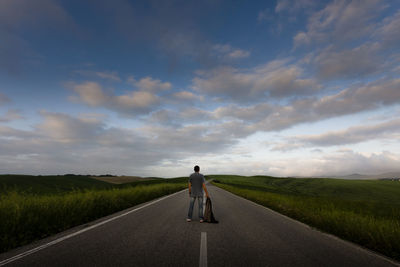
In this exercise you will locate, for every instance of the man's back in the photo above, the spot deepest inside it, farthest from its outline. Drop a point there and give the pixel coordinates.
(196, 179)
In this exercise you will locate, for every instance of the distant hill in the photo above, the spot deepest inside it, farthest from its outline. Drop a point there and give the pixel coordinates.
(121, 179)
(357, 176)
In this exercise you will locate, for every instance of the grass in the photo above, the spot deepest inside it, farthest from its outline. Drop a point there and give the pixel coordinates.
(49, 184)
(47, 205)
(364, 212)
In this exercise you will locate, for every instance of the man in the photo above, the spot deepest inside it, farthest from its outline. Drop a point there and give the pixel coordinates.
(196, 186)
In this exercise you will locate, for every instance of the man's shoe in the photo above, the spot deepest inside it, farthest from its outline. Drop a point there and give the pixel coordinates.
(188, 220)
(201, 220)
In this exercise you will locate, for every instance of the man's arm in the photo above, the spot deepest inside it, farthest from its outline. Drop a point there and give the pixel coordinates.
(190, 188)
(205, 189)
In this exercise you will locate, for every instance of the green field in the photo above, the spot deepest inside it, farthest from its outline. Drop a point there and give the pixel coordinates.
(33, 207)
(364, 212)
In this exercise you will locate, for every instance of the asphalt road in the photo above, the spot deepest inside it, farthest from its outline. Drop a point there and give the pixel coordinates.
(158, 235)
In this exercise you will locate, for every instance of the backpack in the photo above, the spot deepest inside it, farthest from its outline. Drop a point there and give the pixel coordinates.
(208, 213)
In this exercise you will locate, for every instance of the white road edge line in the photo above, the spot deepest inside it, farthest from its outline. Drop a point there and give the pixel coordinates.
(203, 250)
(31, 251)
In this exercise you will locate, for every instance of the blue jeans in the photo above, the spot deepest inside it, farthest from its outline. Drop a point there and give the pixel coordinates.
(200, 202)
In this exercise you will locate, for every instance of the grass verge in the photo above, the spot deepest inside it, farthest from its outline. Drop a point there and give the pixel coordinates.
(364, 212)
(26, 217)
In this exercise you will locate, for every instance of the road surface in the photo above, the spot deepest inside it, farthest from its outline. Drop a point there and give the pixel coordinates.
(157, 234)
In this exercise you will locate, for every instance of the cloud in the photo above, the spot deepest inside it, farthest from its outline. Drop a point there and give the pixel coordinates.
(358, 43)
(274, 79)
(132, 103)
(339, 163)
(352, 63)
(389, 31)
(11, 133)
(62, 143)
(11, 115)
(21, 13)
(108, 75)
(292, 5)
(189, 139)
(249, 114)
(353, 162)
(149, 84)
(340, 21)
(181, 117)
(227, 52)
(140, 100)
(264, 15)
(273, 117)
(188, 96)
(85, 144)
(91, 93)
(67, 129)
(286, 146)
(353, 135)
(4, 99)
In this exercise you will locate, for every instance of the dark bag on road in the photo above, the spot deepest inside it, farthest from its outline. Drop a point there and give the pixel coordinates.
(208, 213)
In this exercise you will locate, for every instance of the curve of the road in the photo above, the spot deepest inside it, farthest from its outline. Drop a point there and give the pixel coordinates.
(157, 234)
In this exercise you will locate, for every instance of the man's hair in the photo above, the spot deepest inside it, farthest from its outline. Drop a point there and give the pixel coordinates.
(196, 168)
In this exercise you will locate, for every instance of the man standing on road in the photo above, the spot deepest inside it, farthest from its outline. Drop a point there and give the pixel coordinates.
(196, 186)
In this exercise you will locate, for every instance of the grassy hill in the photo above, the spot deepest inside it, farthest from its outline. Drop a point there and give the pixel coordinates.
(366, 212)
(59, 184)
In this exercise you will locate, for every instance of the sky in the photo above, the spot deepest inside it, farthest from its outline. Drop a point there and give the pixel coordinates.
(152, 88)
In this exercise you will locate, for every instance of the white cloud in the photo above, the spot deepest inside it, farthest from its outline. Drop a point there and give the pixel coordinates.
(338, 163)
(355, 134)
(273, 117)
(132, 103)
(65, 143)
(363, 133)
(274, 79)
(149, 84)
(227, 52)
(136, 100)
(109, 75)
(238, 53)
(67, 129)
(350, 63)
(188, 96)
(341, 21)
(389, 31)
(91, 93)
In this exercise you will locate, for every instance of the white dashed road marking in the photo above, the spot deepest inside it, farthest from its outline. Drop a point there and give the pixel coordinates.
(203, 250)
